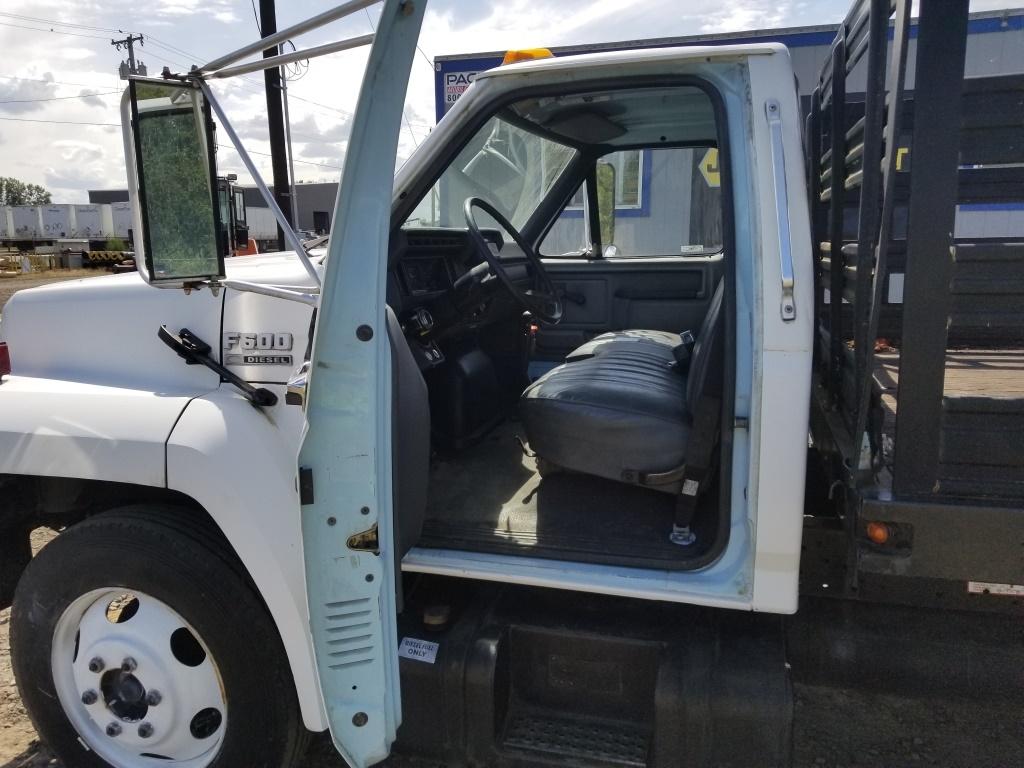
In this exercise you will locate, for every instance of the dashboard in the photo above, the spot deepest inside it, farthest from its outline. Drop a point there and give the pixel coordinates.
(426, 263)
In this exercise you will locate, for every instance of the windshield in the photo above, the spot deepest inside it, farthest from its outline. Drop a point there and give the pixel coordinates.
(509, 167)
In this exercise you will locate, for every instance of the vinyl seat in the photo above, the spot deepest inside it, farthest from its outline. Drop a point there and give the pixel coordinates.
(620, 407)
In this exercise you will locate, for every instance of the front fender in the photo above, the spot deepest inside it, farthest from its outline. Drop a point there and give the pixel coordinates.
(56, 428)
(238, 462)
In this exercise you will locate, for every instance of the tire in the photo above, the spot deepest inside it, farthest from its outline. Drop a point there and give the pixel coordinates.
(181, 570)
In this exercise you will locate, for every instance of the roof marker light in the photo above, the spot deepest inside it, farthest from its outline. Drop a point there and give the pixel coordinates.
(526, 54)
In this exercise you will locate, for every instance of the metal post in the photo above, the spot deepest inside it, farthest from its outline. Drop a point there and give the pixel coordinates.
(275, 119)
(293, 208)
(941, 48)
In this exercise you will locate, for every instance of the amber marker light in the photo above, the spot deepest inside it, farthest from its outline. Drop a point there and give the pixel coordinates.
(526, 54)
(878, 532)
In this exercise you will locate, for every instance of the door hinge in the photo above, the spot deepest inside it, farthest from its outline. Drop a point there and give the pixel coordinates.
(365, 541)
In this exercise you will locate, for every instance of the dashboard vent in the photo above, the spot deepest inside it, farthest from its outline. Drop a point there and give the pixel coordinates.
(435, 243)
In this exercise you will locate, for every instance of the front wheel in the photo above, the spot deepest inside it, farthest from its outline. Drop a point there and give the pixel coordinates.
(137, 640)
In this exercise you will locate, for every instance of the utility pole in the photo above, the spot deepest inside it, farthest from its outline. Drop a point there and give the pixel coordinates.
(130, 68)
(275, 120)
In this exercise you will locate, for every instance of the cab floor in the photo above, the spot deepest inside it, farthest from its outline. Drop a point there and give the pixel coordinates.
(490, 498)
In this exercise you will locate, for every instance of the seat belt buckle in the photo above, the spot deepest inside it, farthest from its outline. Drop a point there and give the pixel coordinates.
(683, 351)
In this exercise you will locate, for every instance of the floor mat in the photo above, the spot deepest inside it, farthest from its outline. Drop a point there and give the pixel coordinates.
(491, 499)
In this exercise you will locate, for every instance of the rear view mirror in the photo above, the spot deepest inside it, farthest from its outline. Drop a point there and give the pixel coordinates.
(174, 188)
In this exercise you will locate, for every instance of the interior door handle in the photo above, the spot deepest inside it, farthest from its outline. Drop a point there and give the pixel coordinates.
(573, 296)
(774, 114)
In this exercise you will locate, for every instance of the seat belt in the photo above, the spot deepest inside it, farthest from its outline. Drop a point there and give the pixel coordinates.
(683, 351)
(701, 452)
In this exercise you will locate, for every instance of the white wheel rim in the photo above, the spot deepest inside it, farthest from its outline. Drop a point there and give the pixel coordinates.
(115, 711)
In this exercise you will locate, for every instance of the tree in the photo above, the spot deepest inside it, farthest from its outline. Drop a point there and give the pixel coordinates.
(15, 192)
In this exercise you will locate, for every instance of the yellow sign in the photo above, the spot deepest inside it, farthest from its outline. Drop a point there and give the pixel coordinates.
(709, 168)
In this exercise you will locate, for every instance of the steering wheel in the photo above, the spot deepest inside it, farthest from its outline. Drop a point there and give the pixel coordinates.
(541, 299)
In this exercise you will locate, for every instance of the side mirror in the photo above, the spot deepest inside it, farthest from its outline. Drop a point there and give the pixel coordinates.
(171, 173)
(606, 201)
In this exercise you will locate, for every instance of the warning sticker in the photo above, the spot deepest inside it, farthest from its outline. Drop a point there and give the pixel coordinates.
(709, 168)
(455, 84)
(418, 650)
(992, 588)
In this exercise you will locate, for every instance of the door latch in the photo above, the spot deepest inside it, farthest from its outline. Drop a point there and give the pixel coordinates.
(366, 541)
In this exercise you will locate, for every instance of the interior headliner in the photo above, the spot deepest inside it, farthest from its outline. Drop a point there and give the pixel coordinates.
(627, 117)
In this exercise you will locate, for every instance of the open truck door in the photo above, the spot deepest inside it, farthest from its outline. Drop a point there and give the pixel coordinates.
(345, 461)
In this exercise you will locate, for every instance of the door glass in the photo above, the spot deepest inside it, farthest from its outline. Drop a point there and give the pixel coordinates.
(660, 202)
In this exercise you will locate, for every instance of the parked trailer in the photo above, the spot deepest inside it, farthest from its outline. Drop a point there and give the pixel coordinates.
(121, 215)
(58, 221)
(93, 222)
(27, 222)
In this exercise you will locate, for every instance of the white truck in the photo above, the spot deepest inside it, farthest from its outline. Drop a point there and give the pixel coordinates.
(354, 487)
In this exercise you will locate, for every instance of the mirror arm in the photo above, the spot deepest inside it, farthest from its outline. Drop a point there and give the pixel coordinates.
(282, 220)
(338, 12)
(301, 296)
(288, 58)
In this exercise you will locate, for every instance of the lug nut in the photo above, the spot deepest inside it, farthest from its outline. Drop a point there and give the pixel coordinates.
(96, 664)
(89, 697)
(145, 730)
(128, 665)
(153, 698)
(113, 730)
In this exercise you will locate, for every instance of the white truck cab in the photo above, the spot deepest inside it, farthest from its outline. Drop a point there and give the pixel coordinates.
(476, 403)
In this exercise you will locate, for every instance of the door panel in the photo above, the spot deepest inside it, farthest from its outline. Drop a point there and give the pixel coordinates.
(661, 294)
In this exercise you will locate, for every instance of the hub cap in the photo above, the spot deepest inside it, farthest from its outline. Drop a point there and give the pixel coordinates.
(137, 682)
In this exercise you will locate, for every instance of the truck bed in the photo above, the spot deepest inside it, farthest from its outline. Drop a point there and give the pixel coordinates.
(983, 420)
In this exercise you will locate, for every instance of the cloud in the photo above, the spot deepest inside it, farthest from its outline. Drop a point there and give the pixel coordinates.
(90, 99)
(79, 152)
(23, 95)
(219, 10)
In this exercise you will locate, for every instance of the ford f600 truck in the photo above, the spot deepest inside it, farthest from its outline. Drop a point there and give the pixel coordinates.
(536, 504)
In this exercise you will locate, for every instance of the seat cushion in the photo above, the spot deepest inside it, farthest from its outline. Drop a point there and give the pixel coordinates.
(657, 345)
(622, 408)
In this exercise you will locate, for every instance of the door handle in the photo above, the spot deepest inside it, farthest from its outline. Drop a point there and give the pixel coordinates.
(774, 113)
(573, 296)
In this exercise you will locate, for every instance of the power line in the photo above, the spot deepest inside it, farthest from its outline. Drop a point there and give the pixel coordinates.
(59, 98)
(267, 154)
(54, 31)
(60, 23)
(51, 82)
(57, 122)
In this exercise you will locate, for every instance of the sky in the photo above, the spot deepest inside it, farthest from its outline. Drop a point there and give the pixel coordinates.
(60, 93)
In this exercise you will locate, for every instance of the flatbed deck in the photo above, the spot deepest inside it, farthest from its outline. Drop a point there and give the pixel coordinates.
(983, 399)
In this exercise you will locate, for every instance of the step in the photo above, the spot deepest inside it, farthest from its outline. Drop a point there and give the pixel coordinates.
(590, 740)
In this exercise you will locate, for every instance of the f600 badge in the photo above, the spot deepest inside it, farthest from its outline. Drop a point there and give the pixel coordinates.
(263, 348)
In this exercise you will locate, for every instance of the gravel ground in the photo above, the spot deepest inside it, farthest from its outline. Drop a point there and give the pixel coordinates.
(835, 728)
(10, 285)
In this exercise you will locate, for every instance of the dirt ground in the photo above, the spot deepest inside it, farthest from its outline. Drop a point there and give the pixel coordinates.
(10, 285)
(835, 728)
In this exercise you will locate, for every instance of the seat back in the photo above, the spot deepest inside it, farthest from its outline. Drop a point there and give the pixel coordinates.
(706, 364)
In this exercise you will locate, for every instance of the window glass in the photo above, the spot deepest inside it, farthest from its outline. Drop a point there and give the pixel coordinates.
(569, 235)
(651, 202)
(507, 166)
